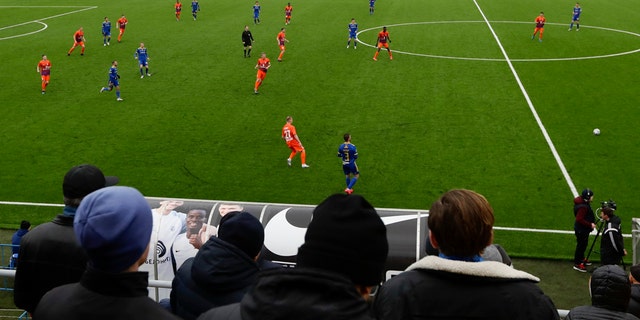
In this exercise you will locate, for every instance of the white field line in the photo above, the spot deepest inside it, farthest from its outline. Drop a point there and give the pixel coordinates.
(45, 18)
(566, 175)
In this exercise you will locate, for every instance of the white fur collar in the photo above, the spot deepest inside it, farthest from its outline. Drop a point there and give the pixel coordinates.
(489, 269)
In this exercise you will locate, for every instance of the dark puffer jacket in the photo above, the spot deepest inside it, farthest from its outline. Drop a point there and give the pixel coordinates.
(634, 302)
(218, 275)
(299, 293)
(610, 293)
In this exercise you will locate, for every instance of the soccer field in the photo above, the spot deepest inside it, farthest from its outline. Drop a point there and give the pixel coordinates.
(469, 101)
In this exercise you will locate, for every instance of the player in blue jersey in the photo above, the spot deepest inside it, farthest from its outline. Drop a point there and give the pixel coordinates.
(372, 6)
(353, 29)
(348, 152)
(577, 10)
(114, 80)
(195, 8)
(106, 32)
(143, 60)
(256, 13)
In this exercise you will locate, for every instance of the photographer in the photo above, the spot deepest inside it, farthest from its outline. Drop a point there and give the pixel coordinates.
(585, 223)
(612, 244)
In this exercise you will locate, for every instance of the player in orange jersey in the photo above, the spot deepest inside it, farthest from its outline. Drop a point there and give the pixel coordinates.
(178, 7)
(540, 21)
(383, 41)
(44, 68)
(122, 24)
(263, 66)
(290, 136)
(287, 13)
(78, 40)
(281, 39)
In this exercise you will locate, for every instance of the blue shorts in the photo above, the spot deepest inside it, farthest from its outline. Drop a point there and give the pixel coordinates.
(256, 15)
(114, 82)
(143, 62)
(106, 34)
(352, 35)
(576, 17)
(351, 168)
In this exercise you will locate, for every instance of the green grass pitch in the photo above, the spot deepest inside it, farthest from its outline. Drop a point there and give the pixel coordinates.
(447, 113)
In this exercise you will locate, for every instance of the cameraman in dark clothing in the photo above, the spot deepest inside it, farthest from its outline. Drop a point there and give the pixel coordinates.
(585, 223)
(612, 244)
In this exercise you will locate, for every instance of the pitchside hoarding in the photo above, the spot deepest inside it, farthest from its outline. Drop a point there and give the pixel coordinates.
(285, 226)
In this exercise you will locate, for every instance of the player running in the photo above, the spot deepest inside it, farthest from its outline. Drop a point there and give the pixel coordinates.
(348, 152)
(178, 7)
(577, 10)
(114, 80)
(106, 32)
(372, 6)
(143, 60)
(293, 142)
(383, 41)
(287, 13)
(281, 38)
(353, 30)
(540, 21)
(195, 8)
(44, 68)
(247, 38)
(122, 24)
(256, 13)
(263, 66)
(78, 40)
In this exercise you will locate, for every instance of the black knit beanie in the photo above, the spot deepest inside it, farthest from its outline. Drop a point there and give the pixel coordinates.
(242, 230)
(346, 236)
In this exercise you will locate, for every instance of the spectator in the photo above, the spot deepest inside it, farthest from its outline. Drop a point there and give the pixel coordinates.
(222, 270)
(459, 284)
(15, 242)
(611, 244)
(342, 258)
(610, 291)
(634, 302)
(49, 254)
(113, 226)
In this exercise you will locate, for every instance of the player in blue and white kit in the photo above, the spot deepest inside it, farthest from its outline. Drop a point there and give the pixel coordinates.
(195, 8)
(348, 152)
(353, 29)
(106, 31)
(143, 57)
(114, 80)
(576, 17)
(372, 5)
(256, 13)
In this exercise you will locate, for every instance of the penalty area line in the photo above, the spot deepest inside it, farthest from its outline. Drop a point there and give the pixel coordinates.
(50, 17)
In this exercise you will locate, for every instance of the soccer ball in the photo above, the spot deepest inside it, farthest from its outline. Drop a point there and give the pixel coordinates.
(596, 131)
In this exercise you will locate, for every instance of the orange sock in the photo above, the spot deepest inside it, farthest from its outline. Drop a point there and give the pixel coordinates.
(44, 86)
(293, 154)
(375, 56)
(280, 56)
(303, 157)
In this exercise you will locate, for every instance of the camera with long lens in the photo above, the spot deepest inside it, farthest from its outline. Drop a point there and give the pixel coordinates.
(609, 204)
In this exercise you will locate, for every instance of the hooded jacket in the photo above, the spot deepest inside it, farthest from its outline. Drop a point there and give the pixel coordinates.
(634, 302)
(610, 293)
(438, 288)
(298, 293)
(584, 215)
(218, 275)
(612, 243)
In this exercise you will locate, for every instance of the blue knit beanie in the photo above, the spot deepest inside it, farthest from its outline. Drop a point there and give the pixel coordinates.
(113, 225)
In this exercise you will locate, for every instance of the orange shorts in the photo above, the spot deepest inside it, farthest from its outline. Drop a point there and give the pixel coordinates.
(383, 44)
(45, 78)
(282, 47)
(78, 43)
(261, 74)
(295, 146)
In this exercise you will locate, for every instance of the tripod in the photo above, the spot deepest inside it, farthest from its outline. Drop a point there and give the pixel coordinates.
(600, 225)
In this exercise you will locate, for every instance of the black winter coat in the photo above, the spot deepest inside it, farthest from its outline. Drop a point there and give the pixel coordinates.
(612, 243)
(634, 302)
(49, 256)
(298, 293)
(102, 296)
(219, 274)
(438, 288)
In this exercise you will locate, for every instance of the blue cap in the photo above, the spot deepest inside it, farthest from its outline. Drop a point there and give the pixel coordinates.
(113, 225)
